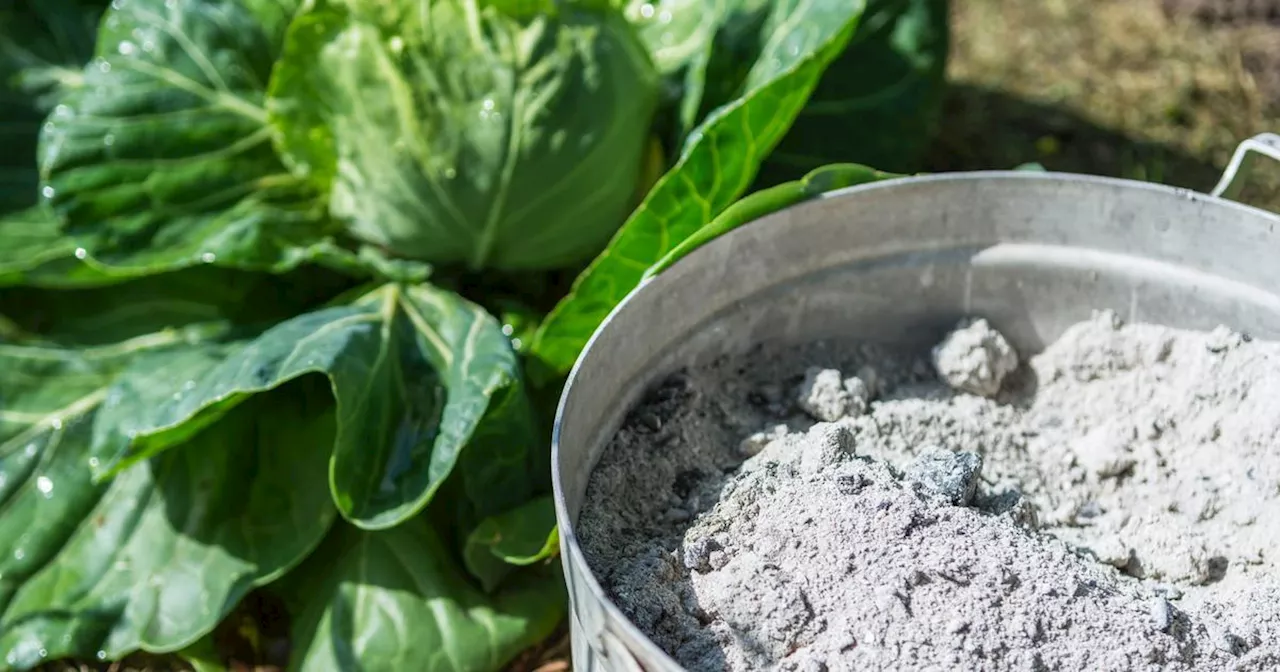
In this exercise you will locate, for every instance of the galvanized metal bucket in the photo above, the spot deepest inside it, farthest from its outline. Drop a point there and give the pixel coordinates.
(899, 262)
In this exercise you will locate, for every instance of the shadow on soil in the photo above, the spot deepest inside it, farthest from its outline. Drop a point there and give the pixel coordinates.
(984, 129)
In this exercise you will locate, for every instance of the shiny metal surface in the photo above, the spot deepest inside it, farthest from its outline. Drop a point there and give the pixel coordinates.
(899, 262)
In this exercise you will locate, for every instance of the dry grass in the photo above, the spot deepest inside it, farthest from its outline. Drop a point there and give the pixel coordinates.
(1111, 87)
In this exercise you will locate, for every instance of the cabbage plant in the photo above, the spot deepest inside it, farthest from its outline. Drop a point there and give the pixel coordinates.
(288, 289)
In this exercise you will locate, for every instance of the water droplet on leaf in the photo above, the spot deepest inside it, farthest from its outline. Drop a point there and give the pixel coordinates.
(104, 67)
(117, 4)
(108, 140)
(664, 17)
(19, 554)
(646, 10)
(56, 423)
(47, 192)
(126, 48)
(81, 253)
(102, 655)
(397, 45)
(208, 257)
(93, 462)
(450, 173)
(507, 330)
(44, 485)
(42, 653)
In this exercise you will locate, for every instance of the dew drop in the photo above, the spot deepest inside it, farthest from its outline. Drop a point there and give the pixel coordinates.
(31, 449)
(48, 127)
(117, 4)
(42, 653)
(108, 140)
(516, 343)
(646, 10)
(397, 44)
(507, 330)
(148, 46)
(19, 554)
(93, 462)
(450, 173)
(81, 253)
(44, 485)
(487, 104)
(62, 111)
(208, 257)
(126, 48)
(102, 655)
(56, 423)
(47, 192)
(664, 17)
(189, 385)
(104, 67)
(177, 396)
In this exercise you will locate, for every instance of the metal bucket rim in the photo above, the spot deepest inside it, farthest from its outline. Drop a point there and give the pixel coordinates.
(572, 550)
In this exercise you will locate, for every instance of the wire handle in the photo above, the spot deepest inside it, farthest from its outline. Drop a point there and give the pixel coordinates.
(1233, 178)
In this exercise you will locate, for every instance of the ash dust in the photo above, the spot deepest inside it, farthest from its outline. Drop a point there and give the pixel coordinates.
(1110, 504)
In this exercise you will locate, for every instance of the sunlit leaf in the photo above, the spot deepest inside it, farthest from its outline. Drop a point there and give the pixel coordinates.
(718, 164)
(163, 158)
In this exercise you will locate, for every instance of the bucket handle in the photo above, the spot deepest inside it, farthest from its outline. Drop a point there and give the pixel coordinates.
(1267, 144)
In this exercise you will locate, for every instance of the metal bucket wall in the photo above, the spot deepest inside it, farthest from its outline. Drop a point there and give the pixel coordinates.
(899, 262)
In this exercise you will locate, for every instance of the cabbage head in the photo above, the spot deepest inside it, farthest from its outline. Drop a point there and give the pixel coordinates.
(490, 134)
